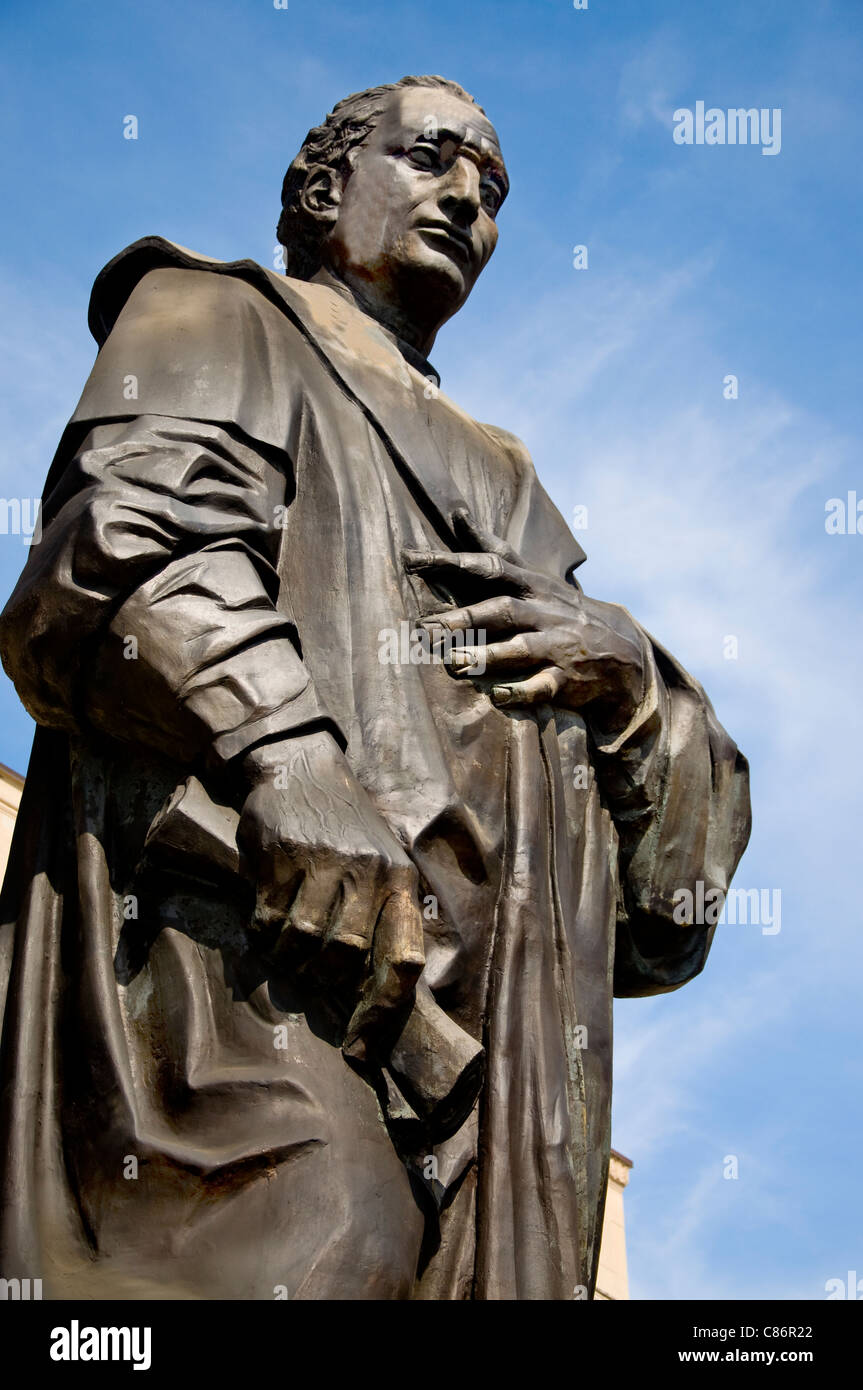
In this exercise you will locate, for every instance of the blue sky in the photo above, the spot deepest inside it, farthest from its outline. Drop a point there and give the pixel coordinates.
(705, 515)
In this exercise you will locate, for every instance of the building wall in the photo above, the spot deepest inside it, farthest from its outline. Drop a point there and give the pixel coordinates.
(612, 1280)
(10, 796)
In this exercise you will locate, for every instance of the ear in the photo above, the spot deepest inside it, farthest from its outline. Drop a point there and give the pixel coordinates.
(322, 193)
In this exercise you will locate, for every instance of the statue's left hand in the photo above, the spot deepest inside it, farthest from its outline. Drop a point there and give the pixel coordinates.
(555, 646)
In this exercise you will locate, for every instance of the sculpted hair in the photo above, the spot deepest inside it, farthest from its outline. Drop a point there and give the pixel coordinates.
(329, 146)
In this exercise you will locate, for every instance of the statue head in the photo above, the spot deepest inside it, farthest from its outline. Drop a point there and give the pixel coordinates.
(396, 195)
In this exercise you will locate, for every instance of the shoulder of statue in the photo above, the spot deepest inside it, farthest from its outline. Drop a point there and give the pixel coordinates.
(115, 284)
(545, 531)
(186, 335)
(513, 446)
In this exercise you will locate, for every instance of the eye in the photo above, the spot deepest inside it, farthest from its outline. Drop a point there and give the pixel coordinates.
(425, 156)
(491, 195)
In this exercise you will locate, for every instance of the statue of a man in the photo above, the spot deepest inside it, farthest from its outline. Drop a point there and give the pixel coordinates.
(347, 810)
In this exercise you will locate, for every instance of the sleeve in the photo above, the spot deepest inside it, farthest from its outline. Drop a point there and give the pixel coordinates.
(147, 609)
(678, 790)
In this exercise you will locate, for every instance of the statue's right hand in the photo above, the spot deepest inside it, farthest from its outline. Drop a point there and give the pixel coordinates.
(331, 877)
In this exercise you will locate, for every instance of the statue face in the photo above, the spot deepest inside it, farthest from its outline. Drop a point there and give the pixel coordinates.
(416, 220)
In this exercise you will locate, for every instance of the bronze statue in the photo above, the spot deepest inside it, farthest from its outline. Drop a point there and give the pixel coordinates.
(347, 810)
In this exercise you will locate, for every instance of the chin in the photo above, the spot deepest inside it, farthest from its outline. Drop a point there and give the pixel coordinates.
(435, 276)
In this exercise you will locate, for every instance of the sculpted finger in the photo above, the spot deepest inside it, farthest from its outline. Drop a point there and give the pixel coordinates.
(490, 615)
(536, 690)
(308, 916)
(275, 891)
(397, 962)
(342, 960)
(353, 924)
(525, 649)
(480, 564)
(485, 540)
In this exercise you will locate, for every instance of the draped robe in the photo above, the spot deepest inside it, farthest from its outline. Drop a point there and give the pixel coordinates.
(221, 557)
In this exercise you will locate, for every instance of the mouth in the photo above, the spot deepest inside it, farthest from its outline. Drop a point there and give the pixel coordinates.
(459, 243)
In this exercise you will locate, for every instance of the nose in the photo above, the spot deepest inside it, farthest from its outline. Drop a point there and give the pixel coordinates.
(459, 197)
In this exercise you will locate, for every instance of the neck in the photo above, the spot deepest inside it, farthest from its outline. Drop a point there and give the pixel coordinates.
(387, 315)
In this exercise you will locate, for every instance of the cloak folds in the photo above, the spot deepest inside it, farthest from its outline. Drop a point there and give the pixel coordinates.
(230, 501)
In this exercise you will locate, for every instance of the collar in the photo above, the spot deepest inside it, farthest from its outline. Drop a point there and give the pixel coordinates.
(408, 352)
